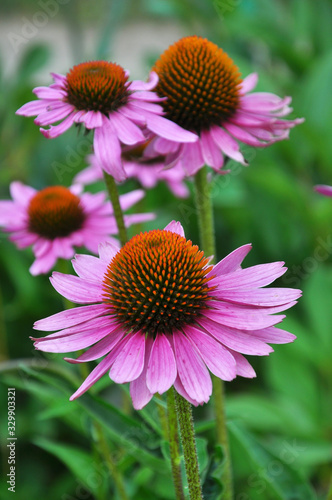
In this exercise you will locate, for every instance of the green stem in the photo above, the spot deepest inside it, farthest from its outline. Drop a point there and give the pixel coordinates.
(205, 213)
(112, 467)
(207, 236)
(174, 445)
(186, 424)
(117, 210)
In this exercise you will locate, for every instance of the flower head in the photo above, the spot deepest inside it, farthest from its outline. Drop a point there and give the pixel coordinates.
(148, 170)
(206, 95)
(99, 95)
(162, 315)
(57, 219)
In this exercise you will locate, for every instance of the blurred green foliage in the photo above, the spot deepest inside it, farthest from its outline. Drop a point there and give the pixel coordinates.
(280, 423)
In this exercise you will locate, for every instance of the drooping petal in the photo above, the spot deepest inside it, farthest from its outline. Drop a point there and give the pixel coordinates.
(130, 361)
(243, 367)
(89, 267)
(191, 369)
(94, 376)
(108, 151)
(139, 391)
(161, 372)
(102, 347)
(126, 130)
(216, 357)
(227, 144)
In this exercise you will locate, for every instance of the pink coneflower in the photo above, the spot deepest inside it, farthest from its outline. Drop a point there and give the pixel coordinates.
(162, 316)
(324, 189)
(99, 95)
(206, 95)
(147, 170)
(57, 219)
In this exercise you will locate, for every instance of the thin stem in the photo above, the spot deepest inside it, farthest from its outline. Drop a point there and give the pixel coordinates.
(207, 236)
(115, 200)
(112, 467)
(186, 424)
(205, 213)
(174, 445)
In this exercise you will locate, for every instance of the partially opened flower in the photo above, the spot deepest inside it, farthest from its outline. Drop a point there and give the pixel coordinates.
(99, 95)
(57, 219)
(206, 95)
(147, 170)
(162, 316)
(324, 189)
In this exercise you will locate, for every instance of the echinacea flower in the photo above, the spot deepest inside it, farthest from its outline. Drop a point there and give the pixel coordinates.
(324, 189)
(162, 316)
(206, 95)
(147, 170)
(57, 219)
(99, 95)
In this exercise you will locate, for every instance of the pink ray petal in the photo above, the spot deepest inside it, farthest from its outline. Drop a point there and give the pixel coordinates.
(57, 130)
(235, 339)
(217, 358)
(249, 83)
(104, 346)
(211, 153)
(161, 371)
(108, 151)
(263, 297)
(130, 361)
(76, 289)
(94, 376)
(70, 317)
(231, 262)
(175, 227)
(254, 276)
(139, 391)
(168, 129)
(89, 267)
(192, 371)
(126, 130)
(227, 144)
(243, 367)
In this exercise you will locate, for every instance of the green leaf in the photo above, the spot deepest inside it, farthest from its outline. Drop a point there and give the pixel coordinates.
(78, 461)
(272, 476)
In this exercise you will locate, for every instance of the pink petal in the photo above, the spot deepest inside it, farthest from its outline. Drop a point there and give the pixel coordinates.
(249, 83)
(243, 135)
(57, 130)
(149, 85)
(232, 261)
(235, 339)
(107, 251)
(49, 93)
(191, 369)
(54, 115)
(43, 264)
(178, 386)
(21, 193)
(274, 335)
(217, 358)
(101, 348)
(32, 108)
(70, 317)
(130, 361)
(95, 375)
(76, 289)
(243, 367)
(175, 227)
(245, 318)
(92, 119)
(127, 200)
(324, 189)
(161, 372)
(211, 153)
(87, 326)
(73, 342)
(139, 391)
(191, 158)
(254, 276)
(168, 129)
(89, 267)
(126, 130)
(227, 144)
(261, 297)
(108, 151)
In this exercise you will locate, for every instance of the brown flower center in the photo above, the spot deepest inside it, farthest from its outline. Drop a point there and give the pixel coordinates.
(200, 81)
(97, 86)
(157, 282)
(55, 212)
